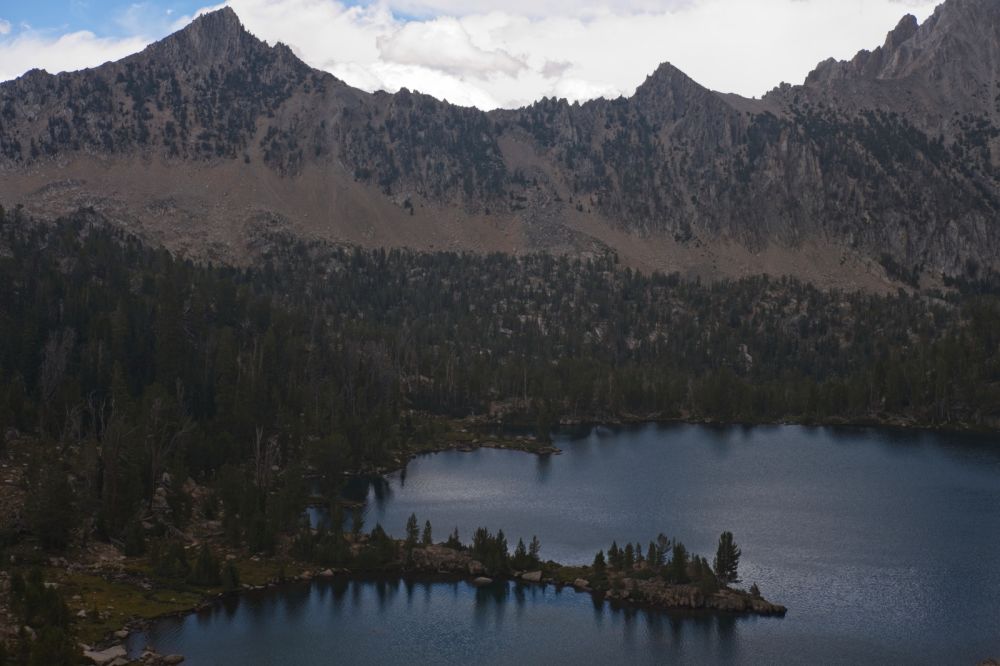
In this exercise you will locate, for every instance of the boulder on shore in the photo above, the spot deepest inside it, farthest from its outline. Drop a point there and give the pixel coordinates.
(581, 584)
(481, 581)
(532, 577)
(104, 657)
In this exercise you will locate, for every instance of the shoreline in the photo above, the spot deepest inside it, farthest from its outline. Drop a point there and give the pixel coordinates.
(521, 444)
(898, 423)
(680, 601)
(528, 443)
(471, 439)
(640, 586)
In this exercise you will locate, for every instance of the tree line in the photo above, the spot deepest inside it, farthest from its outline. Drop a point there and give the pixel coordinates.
(670, 560)
(135, 369)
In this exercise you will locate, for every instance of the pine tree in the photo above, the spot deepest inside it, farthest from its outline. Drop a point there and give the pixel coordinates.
(427, 539)
(49, 508)
(380, 550)
(169, 560)
(412, 531)
(534, 550)
(727, 560)
(502, 546)
(135, 539)
(520, 560)
(628, 559)
(599, 564)
(614, 556)
(490, 550)
(357, 522)
(703, 575)
(231, 577)
(206, 569)
(678, 569)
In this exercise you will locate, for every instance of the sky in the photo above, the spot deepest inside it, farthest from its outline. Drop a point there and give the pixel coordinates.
(486, 53)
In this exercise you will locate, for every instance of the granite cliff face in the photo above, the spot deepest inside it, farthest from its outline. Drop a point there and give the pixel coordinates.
(886, 166)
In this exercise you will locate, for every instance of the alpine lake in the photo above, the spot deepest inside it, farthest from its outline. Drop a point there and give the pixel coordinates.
(882, 543)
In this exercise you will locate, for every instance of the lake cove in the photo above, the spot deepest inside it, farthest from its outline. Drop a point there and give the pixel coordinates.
(881, 543)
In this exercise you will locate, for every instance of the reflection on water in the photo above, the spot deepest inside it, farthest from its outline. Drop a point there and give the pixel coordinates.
(406, 621)
(543, 466)
(882, 543)
(375, 489)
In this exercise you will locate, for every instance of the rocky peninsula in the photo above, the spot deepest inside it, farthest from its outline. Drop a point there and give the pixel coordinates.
(641, 586)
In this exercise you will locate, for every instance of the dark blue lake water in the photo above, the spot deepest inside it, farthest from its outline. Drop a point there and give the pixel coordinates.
(884, 545)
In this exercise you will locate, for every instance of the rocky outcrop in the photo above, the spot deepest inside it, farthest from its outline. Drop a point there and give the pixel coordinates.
(106, 656)
(934, 73)
(152, 658)
(659, 594)
(440, 559)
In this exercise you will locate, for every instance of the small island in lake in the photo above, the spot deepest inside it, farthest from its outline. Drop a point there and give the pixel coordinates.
(661, 576)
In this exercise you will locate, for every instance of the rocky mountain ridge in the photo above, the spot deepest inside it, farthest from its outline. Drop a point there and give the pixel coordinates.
(875, 171)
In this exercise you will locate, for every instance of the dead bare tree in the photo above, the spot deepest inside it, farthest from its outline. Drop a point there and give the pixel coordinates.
(266, 456)
(112, 432)
(164, 432)
(72, 430)
(55, 357)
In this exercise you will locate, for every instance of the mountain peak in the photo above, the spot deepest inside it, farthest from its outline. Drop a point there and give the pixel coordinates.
(211, 37)
(956, 43)
(221, 24)
(666, 73)
(868, 64)
(906, 28)
(218, 22)
(668, 93)
(667, 81)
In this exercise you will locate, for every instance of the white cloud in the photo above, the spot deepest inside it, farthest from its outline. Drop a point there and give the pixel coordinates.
(534, 8)
(28, 49)
(4, 27)
(512, 52)
(393, 76)
(444, 44)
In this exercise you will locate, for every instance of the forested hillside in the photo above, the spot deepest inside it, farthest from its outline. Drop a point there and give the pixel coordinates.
(141, 393)
(345, 352)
